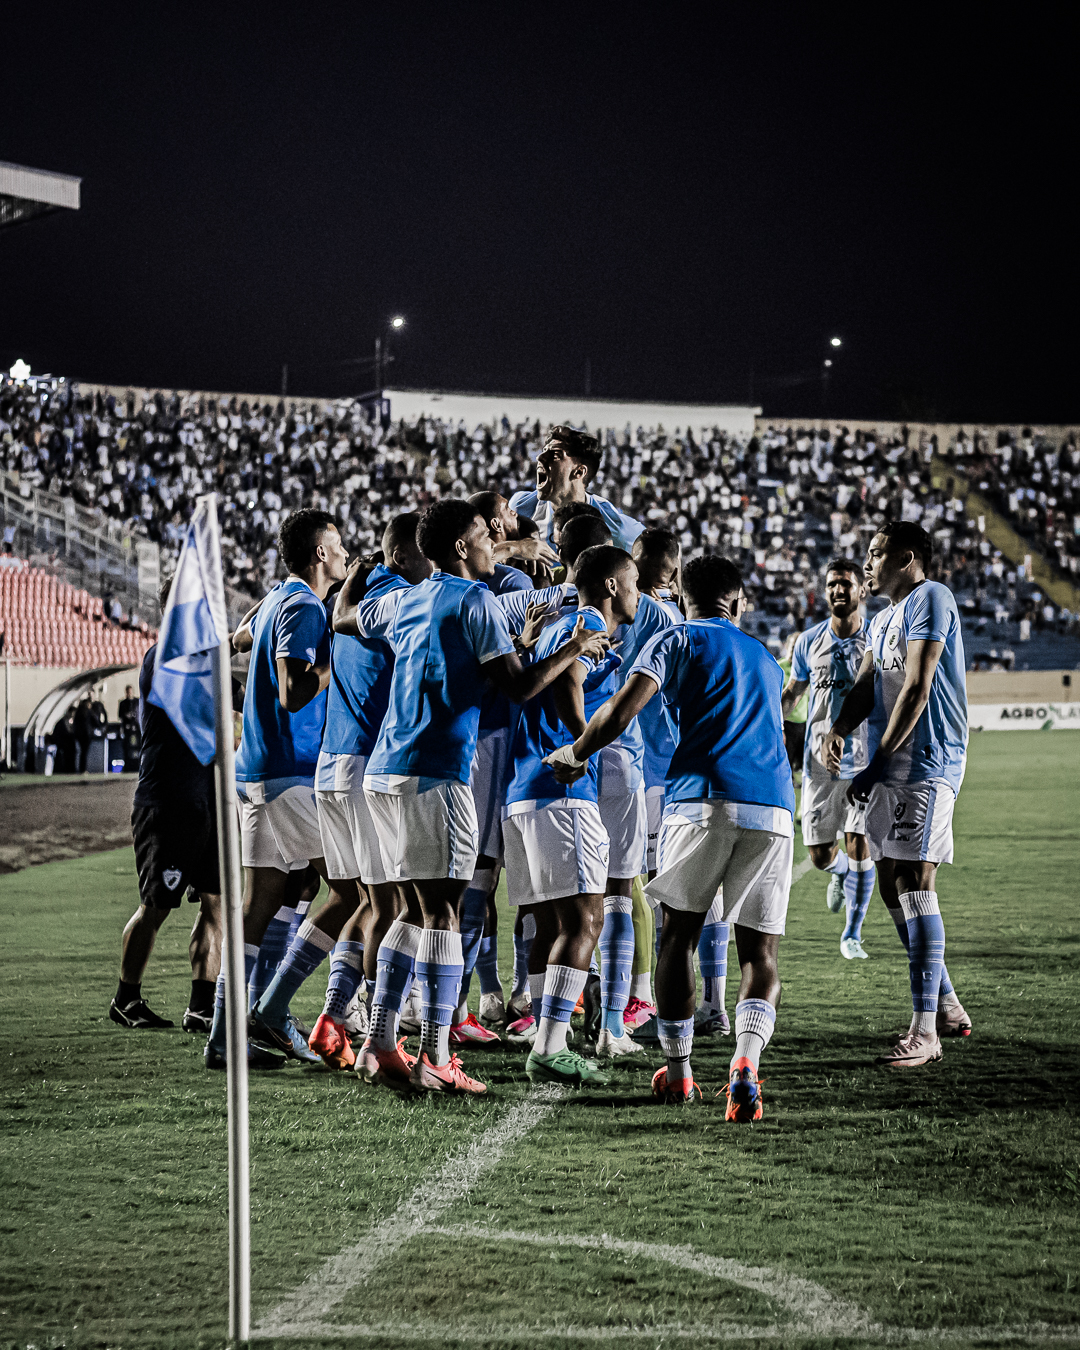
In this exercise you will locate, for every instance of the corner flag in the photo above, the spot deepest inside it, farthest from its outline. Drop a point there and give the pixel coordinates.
(194, 623)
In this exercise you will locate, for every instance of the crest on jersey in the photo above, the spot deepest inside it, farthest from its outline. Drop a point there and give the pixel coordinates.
(171, 878)
(892, 639)
(901, 807)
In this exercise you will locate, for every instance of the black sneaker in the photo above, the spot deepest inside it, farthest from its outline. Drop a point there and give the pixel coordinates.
(137, 1016)
(257, 1058)
(200, 1022)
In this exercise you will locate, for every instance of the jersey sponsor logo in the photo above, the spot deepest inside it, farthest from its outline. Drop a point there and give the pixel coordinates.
(171, 878)
(898, 813)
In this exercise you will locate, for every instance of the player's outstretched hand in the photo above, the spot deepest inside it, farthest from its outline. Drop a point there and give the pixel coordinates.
(589, 643)
(832, 751)
(537, 617)
(564, 764)
(532, 550)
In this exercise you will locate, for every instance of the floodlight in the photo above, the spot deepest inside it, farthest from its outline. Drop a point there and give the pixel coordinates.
(834, 342)
(397, 321)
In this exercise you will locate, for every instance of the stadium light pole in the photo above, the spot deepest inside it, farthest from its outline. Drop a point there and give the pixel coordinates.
(382, 351)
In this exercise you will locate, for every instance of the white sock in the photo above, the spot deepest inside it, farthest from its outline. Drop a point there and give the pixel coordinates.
(461, 1012)
(563, 984)
(435, 1042)
(755, 1021)
(713, 993)
(839, 864)
(924, 1024)
(641, 987)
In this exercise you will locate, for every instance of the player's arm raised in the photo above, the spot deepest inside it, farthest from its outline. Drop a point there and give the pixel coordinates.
(858, 706)
(520, 682)
(243, 639)
(353, 589)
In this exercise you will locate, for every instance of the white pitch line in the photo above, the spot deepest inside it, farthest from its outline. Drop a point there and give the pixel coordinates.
(332, 1283)
(801, 870)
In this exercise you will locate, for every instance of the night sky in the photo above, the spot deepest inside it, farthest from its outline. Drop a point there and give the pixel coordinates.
(692, 201)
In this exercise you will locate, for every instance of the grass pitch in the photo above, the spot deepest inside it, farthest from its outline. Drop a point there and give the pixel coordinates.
(866, 1206)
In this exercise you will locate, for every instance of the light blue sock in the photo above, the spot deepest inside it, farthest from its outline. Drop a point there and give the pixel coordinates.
(926, 948)
(309, 949)
(897, 915)
(487, 965)
(676, 1041)
(217, 1028)
(522, 943)
(712, 956)
(300, 913)
(393, 978)
(439, 968)
(616, 961)
(858, 892)
(346, 972)
(473, 917)
(839, 865)
(272, 949)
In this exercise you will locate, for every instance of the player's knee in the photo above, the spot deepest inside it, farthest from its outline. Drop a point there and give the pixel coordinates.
(821, 855)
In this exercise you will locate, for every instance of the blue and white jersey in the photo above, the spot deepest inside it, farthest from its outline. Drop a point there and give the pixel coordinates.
(642, 753)
(279, 749)
(359, 694)
(443, 632)
(540, 731)
(721, 689)
(937, 748)
(623, 530)
(506, 580)
(515, 604)
(829, 664)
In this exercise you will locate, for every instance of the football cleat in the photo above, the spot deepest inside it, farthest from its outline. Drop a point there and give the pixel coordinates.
(492, 1010)
(523, 1031)
(356, 1018)
(564, 1066)
(636, 1012)
(137, 1016)
(743, 1094)
(286, 1039)
(852, 950)
(711, 1022)
(258, 1058)
(448, 1077)
(648, 1032)
(391, 1067)
(201, 1022)
(834, 896)
(331, 1043)
(520, 1006)
(677, 1091)
(470, 1032)
(610, 1046)
(302, 1029)
(953, 1021)
(912, 1052)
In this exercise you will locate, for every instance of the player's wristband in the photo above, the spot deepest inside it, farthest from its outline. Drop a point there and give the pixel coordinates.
(863, 782)
(565, 756)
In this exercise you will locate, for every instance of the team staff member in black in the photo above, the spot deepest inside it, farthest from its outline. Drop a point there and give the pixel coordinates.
(174, 825)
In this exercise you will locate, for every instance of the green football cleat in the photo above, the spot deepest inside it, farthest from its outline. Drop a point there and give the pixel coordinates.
(565, 1066)
(834, 896)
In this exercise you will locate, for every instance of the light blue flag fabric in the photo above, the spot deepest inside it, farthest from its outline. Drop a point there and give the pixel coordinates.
(194, 623)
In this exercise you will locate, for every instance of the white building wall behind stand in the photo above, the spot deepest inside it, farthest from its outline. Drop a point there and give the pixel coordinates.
(593, 413)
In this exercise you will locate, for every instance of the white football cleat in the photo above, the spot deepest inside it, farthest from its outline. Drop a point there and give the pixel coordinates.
(610, 1046)
(356, 1016)
(912, 1052)
(852, 949)
(834, 896)
(492, 1010)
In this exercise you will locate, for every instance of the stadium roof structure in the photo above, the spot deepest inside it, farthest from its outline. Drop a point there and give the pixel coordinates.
(26, 193)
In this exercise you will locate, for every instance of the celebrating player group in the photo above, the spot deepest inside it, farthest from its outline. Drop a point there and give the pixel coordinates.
(542, 685)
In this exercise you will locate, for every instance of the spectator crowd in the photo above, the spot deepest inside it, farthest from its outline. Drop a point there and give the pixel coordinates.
(779, 502)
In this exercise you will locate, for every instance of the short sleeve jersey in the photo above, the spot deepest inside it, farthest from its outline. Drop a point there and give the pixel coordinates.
(653, 616)
(829, 664)
(443, 632)
(168, 771)
(623, 530)
(721, 689)
(277, 747)
(359, 693)
(937, 747)
(540, 730)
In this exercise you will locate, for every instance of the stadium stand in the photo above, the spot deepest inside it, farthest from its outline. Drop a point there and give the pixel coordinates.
(780, 502)
(46, 622)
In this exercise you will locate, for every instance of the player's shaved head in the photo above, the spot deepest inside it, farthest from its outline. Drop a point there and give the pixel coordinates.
(597, 568)
(581, 533)
(711, 583)
(400, 532)
(442, 525)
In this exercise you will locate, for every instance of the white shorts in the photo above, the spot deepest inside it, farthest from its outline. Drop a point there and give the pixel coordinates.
(350, 841)
(489, 779)
(283, 834)
(423, 835)
(911, 821)
(826, 811)
(701, 848)
(556, 851)
(626, 825)
(654, 814)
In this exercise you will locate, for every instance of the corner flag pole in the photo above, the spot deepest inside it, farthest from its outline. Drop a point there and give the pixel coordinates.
(232, 956)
